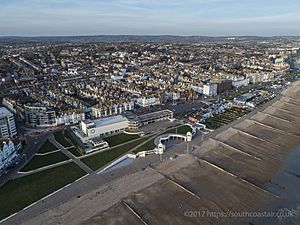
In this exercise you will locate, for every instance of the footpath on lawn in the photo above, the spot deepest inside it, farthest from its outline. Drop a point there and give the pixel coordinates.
(39, 161)
(101, 159)
(19, 193)
(47, 155)
(47, 147)
(98, 160)
(67, 141)
(31, 188)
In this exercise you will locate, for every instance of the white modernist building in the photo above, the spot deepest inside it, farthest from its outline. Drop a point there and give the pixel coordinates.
(8, 152)
(104, 126)
(7, 124)
(141, 120)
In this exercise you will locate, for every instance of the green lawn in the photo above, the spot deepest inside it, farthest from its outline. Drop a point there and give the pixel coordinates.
(225, 118)
(101, 159)
(19, 193)
(47, 147)
(75, 151)
(39, 161)
(181, 130)
(149, 145)
(60, 137)
(120, 138)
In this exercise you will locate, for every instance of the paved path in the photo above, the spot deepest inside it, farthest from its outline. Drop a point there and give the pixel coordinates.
(23, 174)
(70, 155)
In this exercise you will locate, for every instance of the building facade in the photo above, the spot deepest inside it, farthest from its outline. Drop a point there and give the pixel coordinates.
(39, 116)
(224, 85)
(7, 124)
(142, 120)
(240, 82)
(146, 102)
(99, 111)
(69, 118)
(104, 126)
(8, 152)
(210, 90)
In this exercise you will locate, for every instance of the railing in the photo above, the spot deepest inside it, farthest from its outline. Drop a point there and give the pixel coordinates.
(165, 137)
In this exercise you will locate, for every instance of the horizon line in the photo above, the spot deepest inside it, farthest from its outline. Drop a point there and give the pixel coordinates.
(145, 35)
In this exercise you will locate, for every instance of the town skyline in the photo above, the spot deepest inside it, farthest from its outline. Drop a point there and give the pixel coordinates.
(149, 112)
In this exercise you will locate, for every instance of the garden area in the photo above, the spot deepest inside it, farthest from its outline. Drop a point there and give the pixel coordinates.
(39, 161)
(60, 137)
(180, 130)
(226, 117)
(21, 192)
(120, 139)
(103, 158)
(67, 141)
(149, 145)
(47, 147)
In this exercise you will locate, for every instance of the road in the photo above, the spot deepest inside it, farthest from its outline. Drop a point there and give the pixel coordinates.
(32, 146)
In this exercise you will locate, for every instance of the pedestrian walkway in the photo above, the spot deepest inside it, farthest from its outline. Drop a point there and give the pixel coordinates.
(70, 155)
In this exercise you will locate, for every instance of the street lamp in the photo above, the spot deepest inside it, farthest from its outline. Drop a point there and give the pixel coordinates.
(160, 150)
(202, 135)
(189, 137)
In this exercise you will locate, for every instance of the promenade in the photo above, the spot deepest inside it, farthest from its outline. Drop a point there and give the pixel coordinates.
(234, 170)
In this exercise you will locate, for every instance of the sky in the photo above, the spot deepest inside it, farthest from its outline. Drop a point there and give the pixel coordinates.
(150, 17)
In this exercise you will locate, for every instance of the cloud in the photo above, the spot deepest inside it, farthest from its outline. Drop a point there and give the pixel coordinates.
(281, 18)
(202, 17)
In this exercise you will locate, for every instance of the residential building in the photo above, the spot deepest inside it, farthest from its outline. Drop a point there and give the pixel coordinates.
(8, 152)
(224, 85)
(9, 104)
(101, 110)
(210, 90)
(69, 117)
(240, 82)
(148, 101)
(7, 124)
(39, 116)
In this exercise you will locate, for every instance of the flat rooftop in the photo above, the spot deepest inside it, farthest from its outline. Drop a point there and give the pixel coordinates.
(154, 115)
(106, 121)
